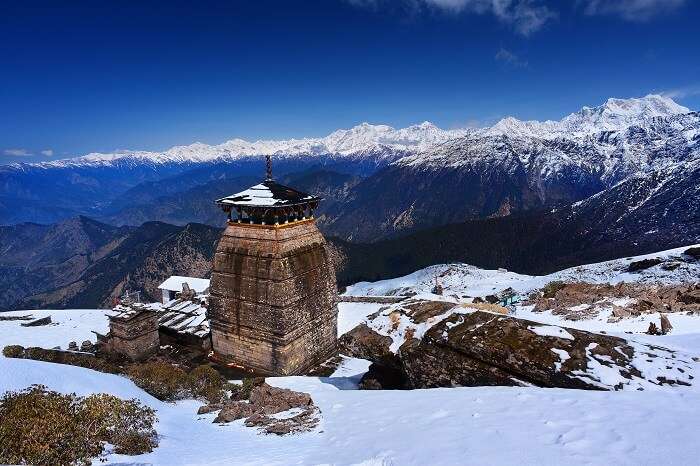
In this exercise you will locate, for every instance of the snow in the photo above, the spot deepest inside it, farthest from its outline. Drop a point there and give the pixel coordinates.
(563, 357)
(351, 314)
(448, 426)
(385, 144)
(463, 280)
(550, 331)
(445, 426)
(175, 282)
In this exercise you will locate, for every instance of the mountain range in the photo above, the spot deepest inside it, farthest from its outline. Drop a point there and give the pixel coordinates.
(511, 166)
(618, 179)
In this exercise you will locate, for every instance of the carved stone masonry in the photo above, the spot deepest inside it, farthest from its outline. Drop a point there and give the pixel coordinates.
(273, 304)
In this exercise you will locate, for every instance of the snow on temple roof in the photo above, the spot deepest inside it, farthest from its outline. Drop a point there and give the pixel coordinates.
(184, 316)
(268, 194)
(174, 283)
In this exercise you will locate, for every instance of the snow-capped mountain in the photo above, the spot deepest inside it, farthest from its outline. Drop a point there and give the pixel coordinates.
(613, 115)
(367, 140)
(520, 166)
(432, 175)
(389, 144)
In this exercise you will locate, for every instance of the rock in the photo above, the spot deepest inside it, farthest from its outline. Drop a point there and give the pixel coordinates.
(670, 266)
(690, 296)
(653, 330)
(37, 322)
(643, 264)
(303, 421)
(665, 324)
(266, 401)
(273, 400)
(234, 410)
(693, 252)
(469, 347)
(492, 299)
(380, 377)
(210, 408)
(620, 312)
(364, 343)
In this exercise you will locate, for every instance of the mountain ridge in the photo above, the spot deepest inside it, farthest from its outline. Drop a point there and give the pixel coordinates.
(363, 139)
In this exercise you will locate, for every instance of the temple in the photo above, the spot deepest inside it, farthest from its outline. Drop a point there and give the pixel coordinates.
(273, 295)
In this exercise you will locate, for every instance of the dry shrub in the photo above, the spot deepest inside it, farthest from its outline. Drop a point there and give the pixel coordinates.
(126, 425)
(13, 351)
(43, 427)
(160, 379)
(170, 383)
(60, 357)
(207, 383)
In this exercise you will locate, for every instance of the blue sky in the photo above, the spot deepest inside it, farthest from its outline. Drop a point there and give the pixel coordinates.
(86, 76)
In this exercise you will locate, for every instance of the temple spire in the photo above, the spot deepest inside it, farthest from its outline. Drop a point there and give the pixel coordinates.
(268, 171)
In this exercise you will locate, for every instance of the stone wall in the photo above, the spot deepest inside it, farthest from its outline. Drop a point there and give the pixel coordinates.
(135, 336)
(273, 303)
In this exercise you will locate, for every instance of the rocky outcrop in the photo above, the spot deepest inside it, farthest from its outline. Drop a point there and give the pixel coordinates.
(273, 410)
(474, 348)
(575, 301)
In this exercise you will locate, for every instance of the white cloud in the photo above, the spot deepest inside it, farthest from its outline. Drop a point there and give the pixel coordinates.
(682, 92)
(17, 152)
(524, 16)
(510, 59)
(632, 10)
(47, 152)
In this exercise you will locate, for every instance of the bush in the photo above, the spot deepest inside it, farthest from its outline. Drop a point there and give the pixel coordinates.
(44, 427)
(551, 288)
(207, 383)
(162, 380)
(13, 351)
(60, 357)
(126, 425)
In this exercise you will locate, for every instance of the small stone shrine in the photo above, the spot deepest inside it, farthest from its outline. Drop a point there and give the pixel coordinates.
(273, 296)
(133, 332)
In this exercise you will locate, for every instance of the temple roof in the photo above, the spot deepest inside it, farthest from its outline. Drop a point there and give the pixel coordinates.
(269, 193)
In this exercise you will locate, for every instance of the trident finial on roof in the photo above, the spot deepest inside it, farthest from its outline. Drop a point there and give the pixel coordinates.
(268, 161)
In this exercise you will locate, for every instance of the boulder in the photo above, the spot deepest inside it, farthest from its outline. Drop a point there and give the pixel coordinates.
(653, 329)
(693, 252)
(474, 348)
(364, 343)
(666, 326)
(210, 408)
(266, 401)
(272, 400)
(643, 264)
(37, 322)
(234, 410)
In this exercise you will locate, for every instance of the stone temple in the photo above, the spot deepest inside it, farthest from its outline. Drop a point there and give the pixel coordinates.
(273, 295)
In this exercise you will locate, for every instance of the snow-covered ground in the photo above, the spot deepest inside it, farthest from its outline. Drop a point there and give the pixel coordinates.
(468, 280)
(484, 426)
(450, 426)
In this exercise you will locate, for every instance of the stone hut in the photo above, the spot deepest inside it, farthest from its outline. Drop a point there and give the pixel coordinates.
(133, 332)
(273, 296)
